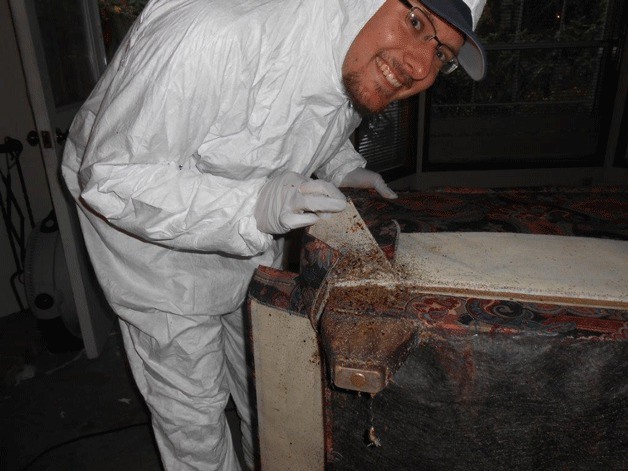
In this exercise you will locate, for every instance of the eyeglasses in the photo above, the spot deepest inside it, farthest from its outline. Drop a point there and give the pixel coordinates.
(420, 20)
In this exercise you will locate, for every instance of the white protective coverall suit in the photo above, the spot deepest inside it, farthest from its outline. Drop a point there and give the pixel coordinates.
(204, 102)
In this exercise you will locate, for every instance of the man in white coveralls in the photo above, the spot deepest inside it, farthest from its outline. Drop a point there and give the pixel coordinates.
(195, 150)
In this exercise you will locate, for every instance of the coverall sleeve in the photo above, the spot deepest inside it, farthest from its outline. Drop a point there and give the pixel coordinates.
(345, 160)
(139, 170)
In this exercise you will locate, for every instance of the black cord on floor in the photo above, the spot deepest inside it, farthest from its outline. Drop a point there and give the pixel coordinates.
(78, 439)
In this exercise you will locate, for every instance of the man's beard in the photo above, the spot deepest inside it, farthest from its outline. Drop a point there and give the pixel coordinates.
(358, 96)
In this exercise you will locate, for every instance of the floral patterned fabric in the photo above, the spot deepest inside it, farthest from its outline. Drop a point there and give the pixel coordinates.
(592, 212)
(586, 212)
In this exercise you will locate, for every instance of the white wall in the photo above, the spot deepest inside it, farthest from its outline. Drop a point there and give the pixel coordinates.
(16, 121)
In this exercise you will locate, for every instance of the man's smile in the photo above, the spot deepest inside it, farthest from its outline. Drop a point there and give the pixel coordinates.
(389, 74)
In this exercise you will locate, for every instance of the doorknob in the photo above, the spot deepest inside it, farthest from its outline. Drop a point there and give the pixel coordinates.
(33, 138)
(61, 136)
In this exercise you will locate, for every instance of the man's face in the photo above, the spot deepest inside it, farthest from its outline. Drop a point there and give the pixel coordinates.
(389, 61)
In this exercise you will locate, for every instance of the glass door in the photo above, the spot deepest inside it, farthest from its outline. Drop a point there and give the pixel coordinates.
(548, 100)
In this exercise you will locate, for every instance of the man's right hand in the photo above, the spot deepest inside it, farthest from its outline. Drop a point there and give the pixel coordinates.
(289, 201)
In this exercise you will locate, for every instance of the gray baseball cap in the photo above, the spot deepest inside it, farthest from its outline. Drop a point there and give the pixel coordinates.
(464, 16)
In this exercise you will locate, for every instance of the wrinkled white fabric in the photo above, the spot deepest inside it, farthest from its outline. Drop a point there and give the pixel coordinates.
(290, 201)
(205, 101)
(215, 367)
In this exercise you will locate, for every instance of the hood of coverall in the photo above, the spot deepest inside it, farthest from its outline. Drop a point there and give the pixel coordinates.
(356, 15)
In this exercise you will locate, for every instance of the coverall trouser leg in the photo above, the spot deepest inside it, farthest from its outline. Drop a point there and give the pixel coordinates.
(186, 377)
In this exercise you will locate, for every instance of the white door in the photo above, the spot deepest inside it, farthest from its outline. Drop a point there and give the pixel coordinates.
(62, 53)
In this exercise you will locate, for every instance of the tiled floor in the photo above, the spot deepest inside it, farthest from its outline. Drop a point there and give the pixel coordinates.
(65, 412)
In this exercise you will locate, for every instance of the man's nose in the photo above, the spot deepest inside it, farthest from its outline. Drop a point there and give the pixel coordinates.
(419, 60)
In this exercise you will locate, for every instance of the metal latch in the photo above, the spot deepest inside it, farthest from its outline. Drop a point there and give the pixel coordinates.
(357, 379)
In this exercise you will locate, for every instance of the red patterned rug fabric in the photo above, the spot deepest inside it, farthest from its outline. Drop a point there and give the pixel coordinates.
(600, 212)
(585, 212)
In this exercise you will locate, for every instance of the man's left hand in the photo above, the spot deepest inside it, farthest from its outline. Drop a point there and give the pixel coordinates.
(363, 178)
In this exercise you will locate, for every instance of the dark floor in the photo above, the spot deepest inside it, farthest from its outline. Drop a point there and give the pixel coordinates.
(63, 411)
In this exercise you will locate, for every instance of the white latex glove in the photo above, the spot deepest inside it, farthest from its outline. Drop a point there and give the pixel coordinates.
(290, 201)
(363, 178)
